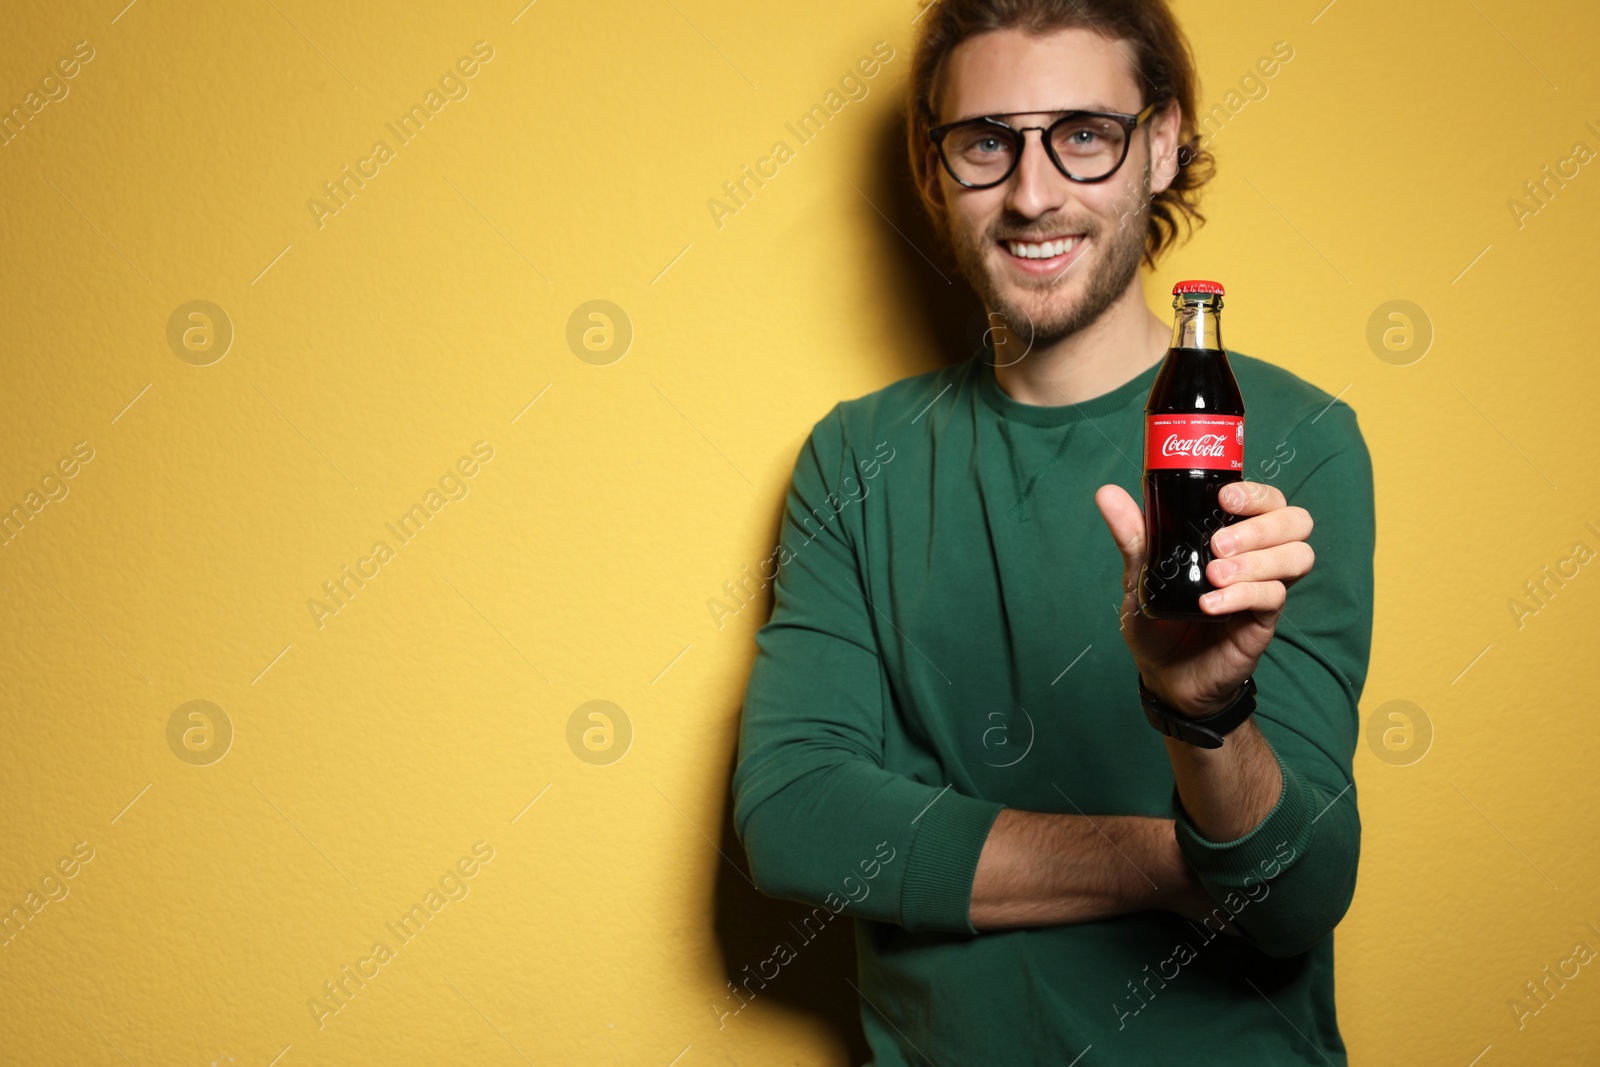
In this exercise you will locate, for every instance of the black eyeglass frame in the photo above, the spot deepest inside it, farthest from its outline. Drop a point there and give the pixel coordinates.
(1129, 123)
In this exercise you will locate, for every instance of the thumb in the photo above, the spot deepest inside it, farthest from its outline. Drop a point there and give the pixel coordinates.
(1126, 522)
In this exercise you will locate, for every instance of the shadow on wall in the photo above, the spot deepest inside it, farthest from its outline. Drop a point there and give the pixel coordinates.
(775, 960)
(939, 319)
(772, 957)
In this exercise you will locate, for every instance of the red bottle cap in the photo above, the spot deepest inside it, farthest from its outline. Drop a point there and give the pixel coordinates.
(1197, 287)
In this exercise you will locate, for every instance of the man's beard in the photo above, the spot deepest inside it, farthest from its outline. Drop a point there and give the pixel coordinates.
(1119, 247)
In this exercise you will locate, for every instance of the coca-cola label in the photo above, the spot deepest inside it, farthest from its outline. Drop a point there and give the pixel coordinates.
(1194, 442)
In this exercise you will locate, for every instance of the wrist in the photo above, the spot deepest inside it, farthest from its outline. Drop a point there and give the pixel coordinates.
(1189, 709)
(1207, 730)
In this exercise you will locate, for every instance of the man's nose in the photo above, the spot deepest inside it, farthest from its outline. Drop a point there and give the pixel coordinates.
(1037, 186)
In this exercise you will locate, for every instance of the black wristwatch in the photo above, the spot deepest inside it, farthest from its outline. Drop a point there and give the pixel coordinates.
(1202, 733)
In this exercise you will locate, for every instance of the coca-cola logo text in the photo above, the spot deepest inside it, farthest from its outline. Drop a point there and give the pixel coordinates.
(1207, 444)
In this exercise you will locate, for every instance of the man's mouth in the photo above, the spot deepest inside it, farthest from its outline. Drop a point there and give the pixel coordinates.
(1043, 256)
(1054, 246)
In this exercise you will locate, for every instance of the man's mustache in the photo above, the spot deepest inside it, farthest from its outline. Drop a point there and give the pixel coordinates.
(1084, 229)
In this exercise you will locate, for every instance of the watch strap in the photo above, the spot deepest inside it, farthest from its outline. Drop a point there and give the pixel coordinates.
(1207, 732)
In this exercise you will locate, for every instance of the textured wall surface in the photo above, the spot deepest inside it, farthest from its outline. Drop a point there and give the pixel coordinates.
(334, 500)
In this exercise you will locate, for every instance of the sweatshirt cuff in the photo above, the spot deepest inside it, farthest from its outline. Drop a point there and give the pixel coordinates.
(937, 891)
(1271, 845)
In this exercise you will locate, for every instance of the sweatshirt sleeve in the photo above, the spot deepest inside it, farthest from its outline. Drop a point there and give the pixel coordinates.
(1291, 878)
(820, 818)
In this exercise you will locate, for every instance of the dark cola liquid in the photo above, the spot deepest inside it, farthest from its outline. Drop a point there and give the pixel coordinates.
(1180, 503)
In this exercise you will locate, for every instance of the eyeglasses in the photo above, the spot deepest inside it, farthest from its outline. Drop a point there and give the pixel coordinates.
(1086, 146)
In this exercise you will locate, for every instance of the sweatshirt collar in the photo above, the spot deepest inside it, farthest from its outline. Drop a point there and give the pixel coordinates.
(1133, 391)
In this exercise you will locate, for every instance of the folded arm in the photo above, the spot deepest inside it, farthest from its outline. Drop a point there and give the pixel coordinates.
(821, 819)
(1041, 868)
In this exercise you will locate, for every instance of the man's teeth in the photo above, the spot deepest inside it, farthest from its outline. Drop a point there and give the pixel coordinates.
(1041, 251)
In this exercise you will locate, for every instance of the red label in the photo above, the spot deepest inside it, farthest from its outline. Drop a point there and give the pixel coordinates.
(1194, 442)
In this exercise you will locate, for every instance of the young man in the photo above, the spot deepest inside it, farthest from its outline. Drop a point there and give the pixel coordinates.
(943, 735)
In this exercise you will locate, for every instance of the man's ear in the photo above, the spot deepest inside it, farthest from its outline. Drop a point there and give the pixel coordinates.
(932, 183)
(1165, 126)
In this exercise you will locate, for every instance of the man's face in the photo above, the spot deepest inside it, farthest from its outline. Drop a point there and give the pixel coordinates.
(1044, 299)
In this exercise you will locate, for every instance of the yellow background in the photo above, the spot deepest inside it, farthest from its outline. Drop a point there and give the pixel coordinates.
(369, 754)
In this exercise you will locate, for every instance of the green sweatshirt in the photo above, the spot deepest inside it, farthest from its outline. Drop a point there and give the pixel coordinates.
(944, 643)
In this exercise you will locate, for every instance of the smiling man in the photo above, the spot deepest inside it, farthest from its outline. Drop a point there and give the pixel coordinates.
(943, 734)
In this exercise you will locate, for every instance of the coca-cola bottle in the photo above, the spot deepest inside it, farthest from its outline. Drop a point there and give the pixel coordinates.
(1193, 446)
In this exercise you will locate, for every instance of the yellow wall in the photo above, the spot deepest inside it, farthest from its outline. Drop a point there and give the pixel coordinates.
(372, 348)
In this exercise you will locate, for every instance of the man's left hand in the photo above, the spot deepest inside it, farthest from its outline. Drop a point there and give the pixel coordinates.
(1197, 667)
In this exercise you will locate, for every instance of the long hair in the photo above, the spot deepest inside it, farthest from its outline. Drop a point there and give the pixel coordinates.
(1163, 67)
